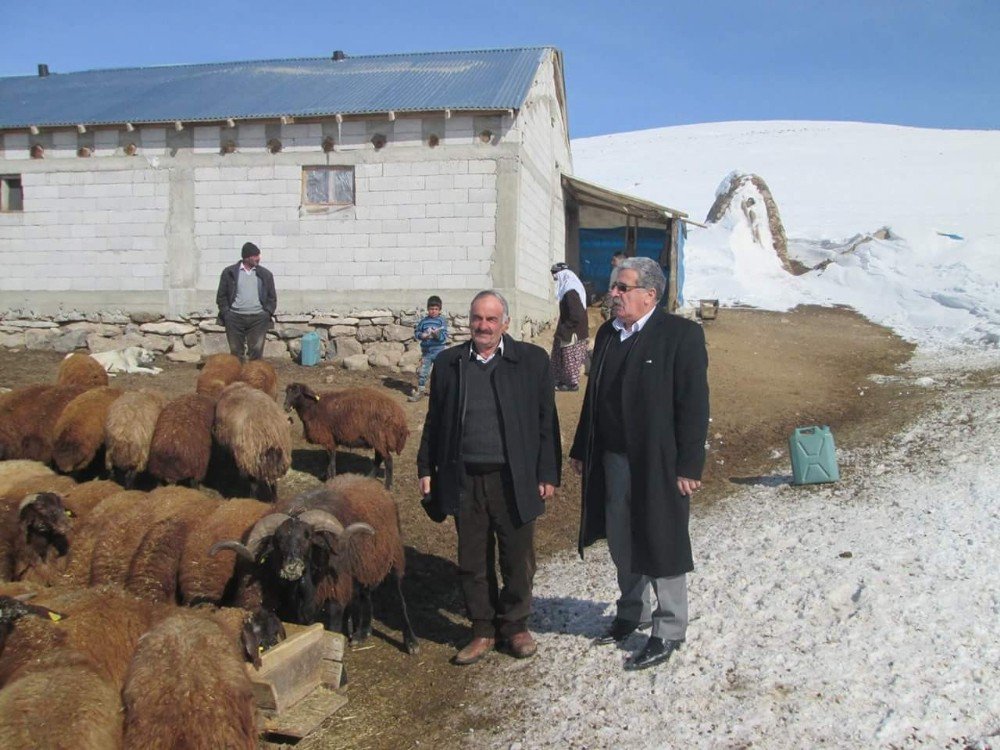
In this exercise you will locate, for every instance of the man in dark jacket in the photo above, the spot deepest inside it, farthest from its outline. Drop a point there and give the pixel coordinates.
(490, 455)
(640, 445)
(247, 301)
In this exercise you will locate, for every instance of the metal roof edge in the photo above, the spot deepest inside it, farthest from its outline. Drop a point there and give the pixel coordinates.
(570, 181)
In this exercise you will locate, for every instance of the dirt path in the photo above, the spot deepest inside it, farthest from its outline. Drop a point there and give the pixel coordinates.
(769, 372)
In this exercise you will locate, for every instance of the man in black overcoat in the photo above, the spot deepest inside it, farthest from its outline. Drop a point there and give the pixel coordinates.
(490, 455)
(640, 446)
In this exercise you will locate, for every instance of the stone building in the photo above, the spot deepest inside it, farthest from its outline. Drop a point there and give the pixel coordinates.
(368, 183)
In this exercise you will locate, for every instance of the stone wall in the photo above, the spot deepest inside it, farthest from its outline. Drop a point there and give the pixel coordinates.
(357, 341)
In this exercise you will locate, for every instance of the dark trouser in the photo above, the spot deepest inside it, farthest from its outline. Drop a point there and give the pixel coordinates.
(487, 517)
(247, 332)
(670, 618)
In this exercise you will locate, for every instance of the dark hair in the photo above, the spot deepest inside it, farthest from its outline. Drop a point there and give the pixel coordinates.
(249, 250)
(559, 267)
(433, 301)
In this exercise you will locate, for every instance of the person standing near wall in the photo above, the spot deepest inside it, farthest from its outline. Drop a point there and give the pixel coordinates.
(570, 342)
(490, 456)
(432, 333)
(247, 300)
(640, 446)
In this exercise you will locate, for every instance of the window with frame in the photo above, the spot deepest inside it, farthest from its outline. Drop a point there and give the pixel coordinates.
(11, 193)
(327, 186)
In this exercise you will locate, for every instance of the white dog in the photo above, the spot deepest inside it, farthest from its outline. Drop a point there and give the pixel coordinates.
(128, 360)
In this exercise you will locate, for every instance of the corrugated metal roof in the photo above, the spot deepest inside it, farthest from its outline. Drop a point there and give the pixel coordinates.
(475, 80)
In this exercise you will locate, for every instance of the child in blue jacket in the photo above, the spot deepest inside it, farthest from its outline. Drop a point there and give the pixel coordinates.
(432, 333)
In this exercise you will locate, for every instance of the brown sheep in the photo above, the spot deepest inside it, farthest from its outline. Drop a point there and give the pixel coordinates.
(182, 440)
(260, 375)
(18, 406)
(43, 538)
(187, 687)
(204, 578)
(79, 432)
(34, 417)
(17, 470)
(353, 418)
(104, 520)
(10, 506)
(104, 625)
(128, 432)
(154, 568)
(84, 497)
(257, 433)
(218, 371)
(81, 369)
(370, 559)
(64, 702)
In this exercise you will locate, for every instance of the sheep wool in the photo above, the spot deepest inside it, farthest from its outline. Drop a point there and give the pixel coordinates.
(186, 687)
(260, 375)
(17, 406)
(182, 440)
(38, 420)
(16, 470)
(81, 369)
(255, 429)
(79, 432)
(154, 568)
(128, 431)
(103, 517)
(218, 371)
(10, 527)
(204, 578)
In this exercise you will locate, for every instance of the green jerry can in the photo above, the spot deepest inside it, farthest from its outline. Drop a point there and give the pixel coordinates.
(814, 456)
(310, 349)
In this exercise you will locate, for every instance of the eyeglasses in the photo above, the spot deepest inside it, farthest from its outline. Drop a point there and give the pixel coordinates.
(622, 287)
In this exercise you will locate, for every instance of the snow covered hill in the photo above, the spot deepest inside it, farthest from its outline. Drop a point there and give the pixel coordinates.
(935, 279)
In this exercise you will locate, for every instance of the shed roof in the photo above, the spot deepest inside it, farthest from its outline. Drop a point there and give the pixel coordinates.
(476, 80)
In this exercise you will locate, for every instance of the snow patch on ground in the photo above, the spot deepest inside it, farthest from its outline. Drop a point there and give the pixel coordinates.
(857, 614)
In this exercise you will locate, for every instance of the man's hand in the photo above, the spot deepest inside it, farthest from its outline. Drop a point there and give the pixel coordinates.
(577, 465)
(688, 486)
(546, 491)
(425, 485)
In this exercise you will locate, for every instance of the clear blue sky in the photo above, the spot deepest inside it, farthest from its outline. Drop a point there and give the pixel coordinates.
(629, 65)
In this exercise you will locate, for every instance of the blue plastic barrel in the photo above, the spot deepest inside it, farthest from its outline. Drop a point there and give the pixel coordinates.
(310, 349)
(814, 456)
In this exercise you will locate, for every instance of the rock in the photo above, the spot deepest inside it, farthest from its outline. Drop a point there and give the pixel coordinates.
(394, 332)
(409, 358)
(30, 324)
(11, 340)
(367, 334)
(342, 331)
(214, 343)
(69, 341)
(141, 317)
(191, 339)
(157, 343)
(168, 328)
(384, 320)
(390, 350)
(97, 328)
(69, 317)
(291, 332)
(211, 326)
(323, 320)
(185, 355)
(347, 347)
(380, 359)
(39, 338)
(372, 314)
(294, 318)
(356, 362)
(273, 349)
(115, 317)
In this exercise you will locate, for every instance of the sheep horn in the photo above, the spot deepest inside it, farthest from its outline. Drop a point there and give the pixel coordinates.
(357, 528)
(238, 547)
(263, 529)
(321, 520)
(28, 500)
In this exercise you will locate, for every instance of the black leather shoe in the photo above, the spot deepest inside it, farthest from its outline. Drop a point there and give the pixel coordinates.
(656, 651)
(619, 631)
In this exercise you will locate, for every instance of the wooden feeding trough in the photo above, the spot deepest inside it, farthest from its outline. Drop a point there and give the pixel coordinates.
(295, 687)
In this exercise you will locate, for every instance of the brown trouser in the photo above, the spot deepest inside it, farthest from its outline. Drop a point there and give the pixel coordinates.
(487, 519)
(247, 331)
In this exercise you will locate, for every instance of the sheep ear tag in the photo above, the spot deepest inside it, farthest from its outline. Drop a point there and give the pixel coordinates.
(260, 649)
(315, 397)
(54, 616)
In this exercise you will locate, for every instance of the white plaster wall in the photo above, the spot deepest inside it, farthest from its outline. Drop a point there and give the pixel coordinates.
(83, 230)
(541, 213)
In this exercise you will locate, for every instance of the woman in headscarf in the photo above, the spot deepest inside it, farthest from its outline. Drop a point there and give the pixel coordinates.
(569, 347)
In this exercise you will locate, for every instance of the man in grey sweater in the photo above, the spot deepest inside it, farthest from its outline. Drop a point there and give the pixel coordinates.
(247, 301)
